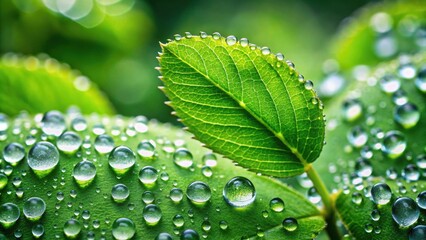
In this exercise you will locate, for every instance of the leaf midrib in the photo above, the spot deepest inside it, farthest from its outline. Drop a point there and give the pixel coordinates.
(279, 135)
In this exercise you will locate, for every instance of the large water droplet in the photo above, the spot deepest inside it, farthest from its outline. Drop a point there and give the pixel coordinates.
(84, 172)
(69, 142)
(72, 228)
(43, 158)
(146, 148)
(390, 83)
(120, 193)
(183, 158)
(53, 123)
(104, 144)
(9, 214)
(189, 234)
(121, 159)
(421, 200)
(176, 195)
(290, 224)
(394, 144)
(239, 192)
(276, 205)
(123, 229)
(34, 208)
(13, 153)
(407, 115)
(148, 175)
(152, 214)
(405, 212)
(381, 193)
(198, 192)
(417, 233)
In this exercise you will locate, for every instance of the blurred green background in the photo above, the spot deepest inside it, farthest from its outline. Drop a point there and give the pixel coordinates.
(115, 42)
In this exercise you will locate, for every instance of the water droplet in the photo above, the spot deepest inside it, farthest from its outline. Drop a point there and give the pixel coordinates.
(357, 198)
(421, 200)
(146, 148)
(276, 204)
(280, 56)
(394, 144)
(183, 158)
(381, 22)
(148, 197)
(417, 233)
(206, 171)
(331, 85)
(203, 35)
(244, 42)
(405, 212)
(72, 228)
(104, 144)
(265, 50)
(43, 158)
(176, 195)
(399, 97)
(120, 193)
(216, 36)
(363, 168)
(123, 229)
(121, 159)
(357, 137)
(4, 122)
(420, 80)
(198, 192)
(3, 181)
(407, 115)
(368, 228)
(231, 40)
(189, 234)
(290, 224)
(406, 70)
(34, 208)
(69, 142)
(53, 123)
(148, 175)
(389, 84)
(84, 172)
(79, 124)
(239, 192)
(37, 230)
(177, 37)
(313, 195)
(140, 123)
(381, 193)
(223, 224)
(164, 236)
(420, 162)
(352, 109)
(375, 215)
(9, 214)
(309, 85)
(13, 153)
(411, 173)
(178, 221)
(206, 225)
(210, 159)
(152, 214)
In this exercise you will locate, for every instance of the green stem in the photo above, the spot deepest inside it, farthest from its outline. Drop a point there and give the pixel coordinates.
(329, 213)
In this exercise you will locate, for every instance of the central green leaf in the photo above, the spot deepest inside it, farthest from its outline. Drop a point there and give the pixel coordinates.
(244, 102)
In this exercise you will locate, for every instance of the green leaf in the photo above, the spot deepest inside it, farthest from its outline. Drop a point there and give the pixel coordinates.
(40, 84)
(245, 104)
(376, 118)
(248, 222)
(357, 216)
(381, 31)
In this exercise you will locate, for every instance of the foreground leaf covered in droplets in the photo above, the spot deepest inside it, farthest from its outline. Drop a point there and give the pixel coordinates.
(85, 190)
(244, 102)
(40, 84)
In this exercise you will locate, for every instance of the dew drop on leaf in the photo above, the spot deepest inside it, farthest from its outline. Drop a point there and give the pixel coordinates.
(231, 40)
(183, 158)
(104, 144)
(163, 236)
(421, 200)
(72, 228)
(37, 230)
(146, 149)
(290, 224)
(405, 211)
(394, 144)
(176, 195)
(34, 208)
(43, 158)
(389, 83)
(178, 221)
(121, 159)
(9, 214)
(198, 192)
(417, 233)
(148, 175)
(84, 172)
(189, 234)
(210, 159)
(407, 115)
(381, 193)
(79, 124)
(148, 197)
(69, 142)
(120, 193)
(53, 123)
(357, 136)
(152, 214)
(123, 228)
(13, 153)
(420, 81)
(239, 192)
(410, 173)
(276, 205)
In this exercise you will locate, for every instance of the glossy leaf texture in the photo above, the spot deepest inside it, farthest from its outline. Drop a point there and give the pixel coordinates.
(93, 206)
(244, 102)
(35, 85)
(381, 31)
(366, 220)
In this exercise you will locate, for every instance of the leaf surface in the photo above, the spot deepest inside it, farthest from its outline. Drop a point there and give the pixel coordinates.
(244, 103)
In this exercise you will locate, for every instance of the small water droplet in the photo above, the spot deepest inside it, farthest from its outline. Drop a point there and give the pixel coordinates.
(357, 136)
(43, 158)
(4, 122)
(53, 123)
(313, 195)
(210, 159)
(140, 123)
(198, 192)
(206, 225)
(399, 97)
(394, 144)
(69, 142)
(363, 168)
(389, 83)
(34, 208)
(148, 197)
(189, 234)
(309, 85)
(405, 212)
(407, 115)
(13, 153)
(421, 200)
(206, 171)
(37, 230)
(357, 198)
(146, 149)
(352, 110)
(3, 181)
(381, 193)
(368, 228)
(375, 215)
(420, 162)
(152, 214)
(176, 195)
(104, 144)
(290, 224)
(216, 36)
(164, 236)
(223, 224)
(203, 35)
(178, 221)
(148, 175)
(177, 37)
(421, 80)
(121, 159)
(231, 40)
(411, 173)
(183, 158)
(120, 193)
(9, 214)
(265, 50)
(84, 172)
(123, 229)
(79, 124)
(239, 192)
(244, 42)
(72, 228)
(276, 204)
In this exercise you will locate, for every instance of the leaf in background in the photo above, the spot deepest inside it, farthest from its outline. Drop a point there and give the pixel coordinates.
(38, 85)
(381, 31)
(361, 122)
(244, 102)
(94, 207)
(366, 220)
